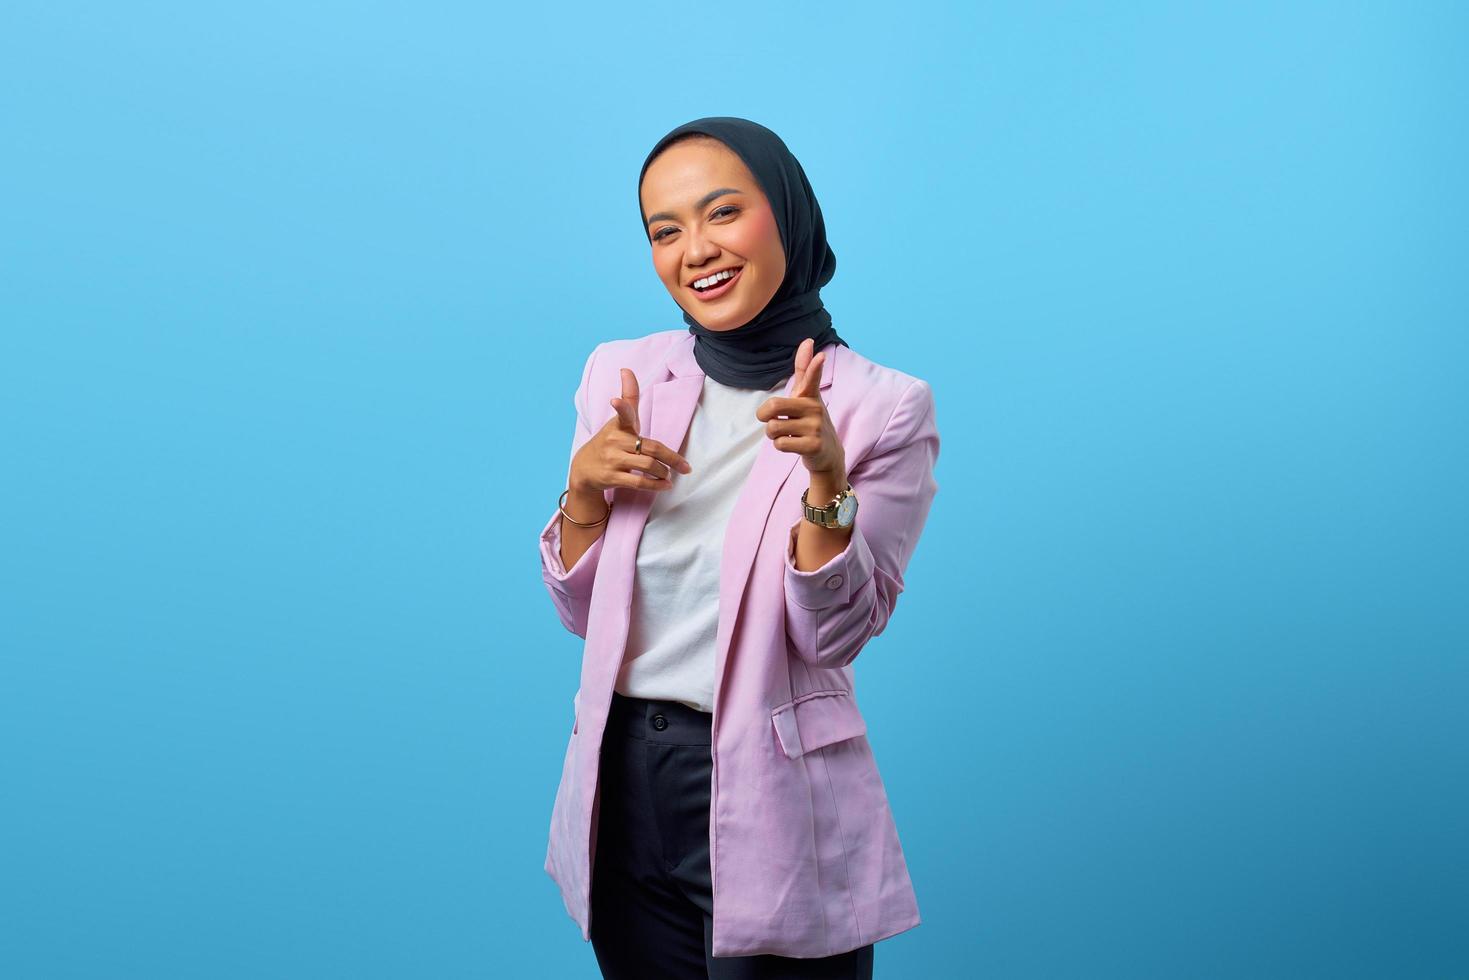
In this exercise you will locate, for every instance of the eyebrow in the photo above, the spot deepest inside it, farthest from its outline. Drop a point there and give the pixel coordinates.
(698, 205)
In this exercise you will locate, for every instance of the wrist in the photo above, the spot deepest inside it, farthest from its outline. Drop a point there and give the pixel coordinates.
(585, 504)
(826, 484)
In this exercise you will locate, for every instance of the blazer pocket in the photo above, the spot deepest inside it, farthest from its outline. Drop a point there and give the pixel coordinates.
(816, 719)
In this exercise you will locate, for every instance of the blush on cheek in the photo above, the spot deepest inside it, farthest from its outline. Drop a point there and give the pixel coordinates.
(763, 233)
(761, 242)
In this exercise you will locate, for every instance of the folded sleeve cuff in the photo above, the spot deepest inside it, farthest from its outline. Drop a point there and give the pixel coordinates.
(835, 582)
(578, 580)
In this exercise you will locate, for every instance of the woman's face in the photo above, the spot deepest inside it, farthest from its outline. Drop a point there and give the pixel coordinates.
(705, 214)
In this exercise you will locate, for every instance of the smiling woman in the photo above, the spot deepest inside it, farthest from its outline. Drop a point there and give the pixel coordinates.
(720, 813)
(718, 252)
(725, 196)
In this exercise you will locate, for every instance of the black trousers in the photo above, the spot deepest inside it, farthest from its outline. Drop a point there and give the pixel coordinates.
(652, 903)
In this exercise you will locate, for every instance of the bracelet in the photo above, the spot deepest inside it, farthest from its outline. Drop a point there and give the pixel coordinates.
(566, 516)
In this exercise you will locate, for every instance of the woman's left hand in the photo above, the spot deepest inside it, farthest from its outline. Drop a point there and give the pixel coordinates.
(806, 428)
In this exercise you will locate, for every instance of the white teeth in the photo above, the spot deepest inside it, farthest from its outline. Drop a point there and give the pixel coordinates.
(708, 281)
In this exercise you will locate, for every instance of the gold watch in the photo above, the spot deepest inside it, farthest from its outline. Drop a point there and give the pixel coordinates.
(840, 513)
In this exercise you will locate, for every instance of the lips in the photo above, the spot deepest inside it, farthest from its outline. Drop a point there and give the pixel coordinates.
(708, 295)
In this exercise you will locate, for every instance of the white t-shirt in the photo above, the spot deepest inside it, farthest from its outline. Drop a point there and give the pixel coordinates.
(675, 605)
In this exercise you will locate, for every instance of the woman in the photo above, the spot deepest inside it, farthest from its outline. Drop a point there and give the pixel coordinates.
(719, 812)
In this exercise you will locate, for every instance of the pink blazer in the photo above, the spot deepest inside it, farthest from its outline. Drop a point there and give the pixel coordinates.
(804, 853)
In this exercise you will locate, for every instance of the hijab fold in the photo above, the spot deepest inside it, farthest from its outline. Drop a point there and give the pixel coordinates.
(762, 352)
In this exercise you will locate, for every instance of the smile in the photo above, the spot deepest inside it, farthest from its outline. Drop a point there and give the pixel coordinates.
(719, 288)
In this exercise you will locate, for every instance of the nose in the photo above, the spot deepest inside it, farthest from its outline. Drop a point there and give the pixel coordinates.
(698, 249)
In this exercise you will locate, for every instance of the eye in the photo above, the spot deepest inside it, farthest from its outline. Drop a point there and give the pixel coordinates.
(723, 211)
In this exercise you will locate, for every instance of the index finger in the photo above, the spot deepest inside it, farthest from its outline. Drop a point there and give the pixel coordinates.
(805, 383)
(627, 405)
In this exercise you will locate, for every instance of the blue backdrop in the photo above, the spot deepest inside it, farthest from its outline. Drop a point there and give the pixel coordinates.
(294, 298)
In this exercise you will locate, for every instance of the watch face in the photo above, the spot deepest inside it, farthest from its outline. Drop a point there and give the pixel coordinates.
(847, 511)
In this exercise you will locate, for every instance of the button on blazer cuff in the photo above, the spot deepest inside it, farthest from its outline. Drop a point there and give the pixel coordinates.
(833, 583)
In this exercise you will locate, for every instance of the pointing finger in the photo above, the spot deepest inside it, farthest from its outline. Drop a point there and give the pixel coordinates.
(627, 406)
(808, 383)
(803, 358)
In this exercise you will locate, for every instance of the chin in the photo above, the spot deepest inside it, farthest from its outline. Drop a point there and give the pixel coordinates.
(720, 319)
(724, 322)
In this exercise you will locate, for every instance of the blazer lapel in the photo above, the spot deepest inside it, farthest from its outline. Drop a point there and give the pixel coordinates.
(747, 521)
(665, 414)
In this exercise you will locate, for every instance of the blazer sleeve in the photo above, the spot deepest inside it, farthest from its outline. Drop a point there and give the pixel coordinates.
(571, 589)
(832, 611)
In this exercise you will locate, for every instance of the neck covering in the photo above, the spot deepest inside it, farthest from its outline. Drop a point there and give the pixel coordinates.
(762, 352)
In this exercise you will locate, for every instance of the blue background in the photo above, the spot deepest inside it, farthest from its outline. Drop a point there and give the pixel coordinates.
(294, 300)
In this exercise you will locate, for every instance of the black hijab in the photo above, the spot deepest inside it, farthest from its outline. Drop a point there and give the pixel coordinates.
(762, 352)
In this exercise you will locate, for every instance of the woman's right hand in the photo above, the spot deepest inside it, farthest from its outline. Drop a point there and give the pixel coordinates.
(607, 458)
